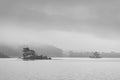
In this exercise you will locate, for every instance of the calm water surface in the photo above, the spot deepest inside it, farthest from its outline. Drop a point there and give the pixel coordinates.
(60, 69)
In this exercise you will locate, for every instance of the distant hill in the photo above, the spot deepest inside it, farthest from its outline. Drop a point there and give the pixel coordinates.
(47, 50)
(79, 54)
(10, 51)
(3, 55)
(110, 55)
(87, 54)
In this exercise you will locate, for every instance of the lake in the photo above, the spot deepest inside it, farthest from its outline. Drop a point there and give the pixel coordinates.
(60, 69)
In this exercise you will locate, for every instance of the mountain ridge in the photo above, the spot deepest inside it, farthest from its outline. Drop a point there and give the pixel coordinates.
(47, 50)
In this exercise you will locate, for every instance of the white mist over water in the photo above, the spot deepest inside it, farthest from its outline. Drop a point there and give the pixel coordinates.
(60, 69)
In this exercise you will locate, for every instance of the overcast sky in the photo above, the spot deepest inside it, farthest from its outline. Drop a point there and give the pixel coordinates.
(80, 25)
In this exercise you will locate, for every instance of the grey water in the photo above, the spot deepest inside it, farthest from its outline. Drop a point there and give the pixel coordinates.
(60, 69)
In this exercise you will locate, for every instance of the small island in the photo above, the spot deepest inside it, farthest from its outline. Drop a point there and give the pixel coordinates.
(29, 54)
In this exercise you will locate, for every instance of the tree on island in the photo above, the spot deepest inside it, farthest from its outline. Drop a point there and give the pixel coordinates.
(96, 55)
(28, 53)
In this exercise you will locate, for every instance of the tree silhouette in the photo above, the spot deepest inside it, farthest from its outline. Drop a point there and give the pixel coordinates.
(28, 53)
(96, 55)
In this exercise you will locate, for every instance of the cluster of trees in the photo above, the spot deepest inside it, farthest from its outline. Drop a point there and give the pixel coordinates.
(28, 53)
(95, 55)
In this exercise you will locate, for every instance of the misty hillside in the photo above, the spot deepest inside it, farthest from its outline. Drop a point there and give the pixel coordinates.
(10, 51)
(110, 55)
(3, 55)
(47, 50)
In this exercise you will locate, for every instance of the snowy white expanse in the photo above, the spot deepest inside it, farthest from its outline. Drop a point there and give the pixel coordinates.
(60, 69)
